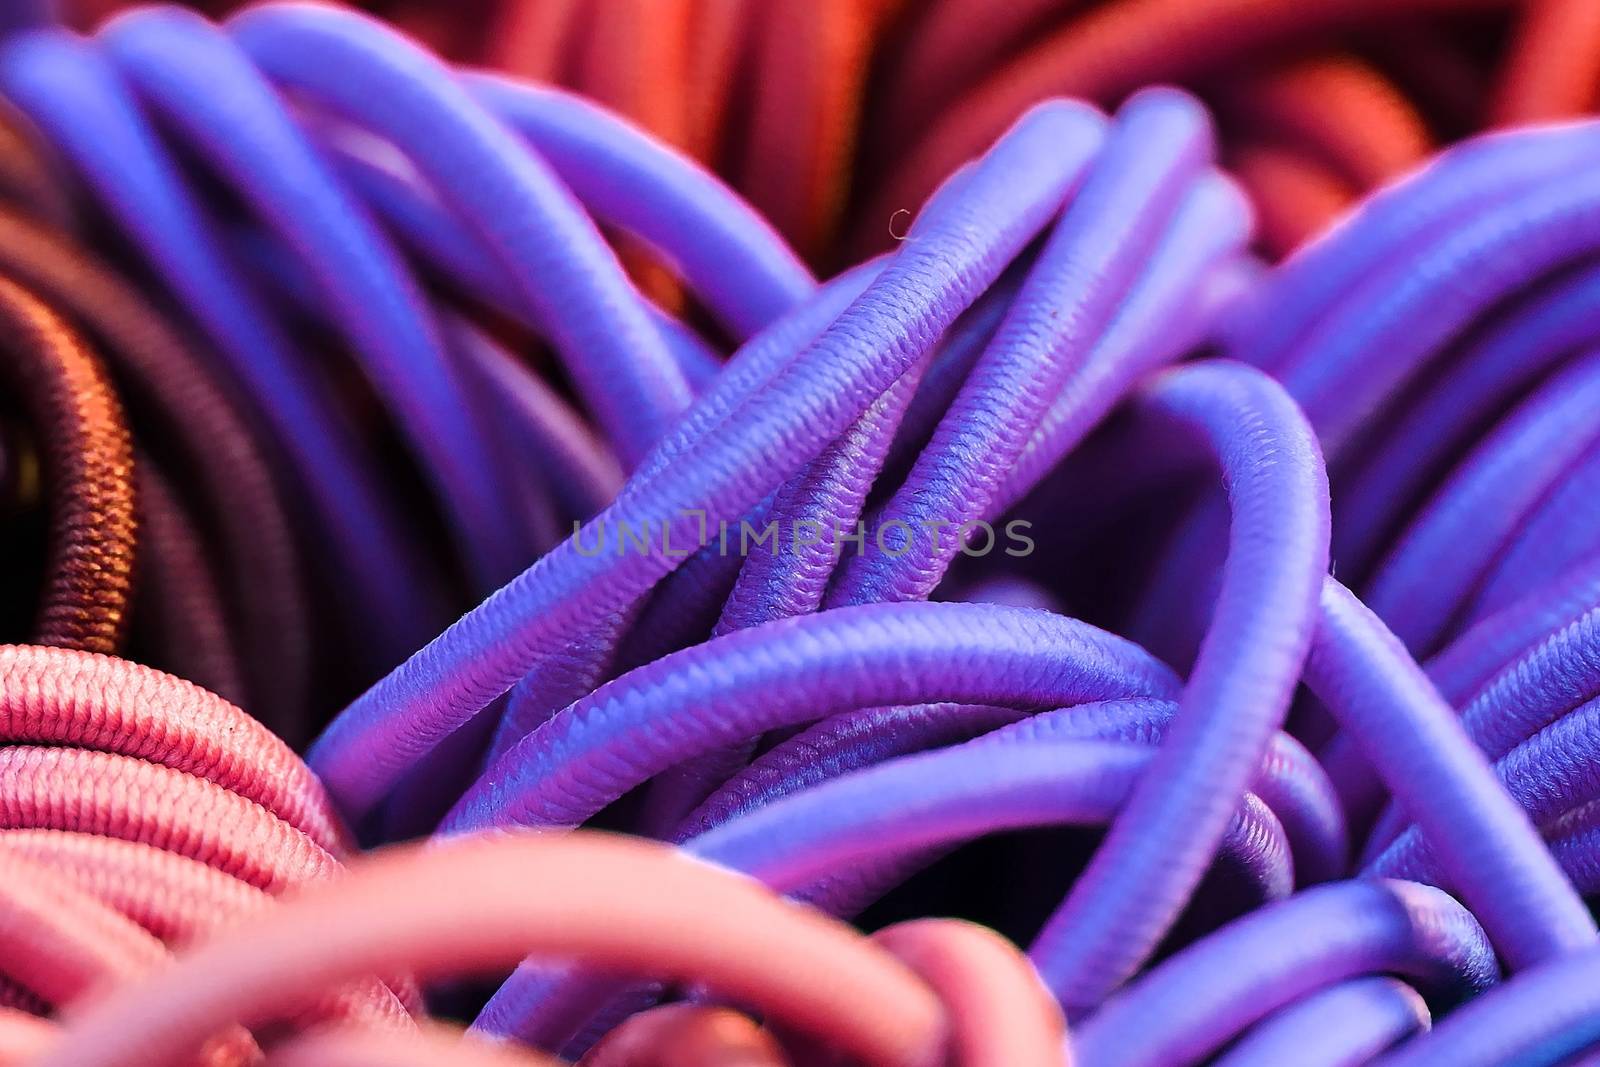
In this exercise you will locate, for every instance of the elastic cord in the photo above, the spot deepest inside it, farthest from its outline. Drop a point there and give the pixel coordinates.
(203, 85)
(427, 1047)
(744, 683)
(519, 208)
(60, 942)
(486, 903)
(1066, 302)
(686, 1035)
(1352, 1022)
(1167, 313)
(88, 457)
(1553, 69)
(177, 604)
(1484, 841)
(729, 253)
(786, 423)
(1454, 541)
(1236, 696)
(1459, 183)
(1000, 1013)
(197, 430)
(1560, 533)
(1550, 774)
(460, 261)
(118, 796)
(910, 805)
(1471, 660)
(1193, 1004)
(59, 697)
(1540, 1018)
(71, 91)
(1496, 362)
(1344, 111)
(1107, 53)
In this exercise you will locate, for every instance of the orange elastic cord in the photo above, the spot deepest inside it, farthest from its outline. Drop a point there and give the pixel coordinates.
(632, 56)
(1295, 196)
(1552, 70)
(88, 456)
(687, 1035)
(535, 40)
(806, 73)
(717, 34)
(177, 408)
(485, 903)
(948, 47)
(1342, 110)
(1110, 51)
(25, 177)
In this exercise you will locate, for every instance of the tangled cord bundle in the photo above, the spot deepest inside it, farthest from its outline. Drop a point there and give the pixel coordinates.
(1225, 632)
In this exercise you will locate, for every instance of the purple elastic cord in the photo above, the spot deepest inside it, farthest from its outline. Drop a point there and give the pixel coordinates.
(943, 798)
(1487, 651)
(1459, 183)
(1164, 317)
(1289, 783)
(700, 586)
(1481, 837)
(949, 366)
(1482, 651)
(1546, 681)
(461, 262)
(1452, 544)
(1369, 347)
(72, 92)
(1411, 306)
(1189, 1007)
(1091, 260)
(204, 86)
(1533, 688)
(1563, 531)
(732, 257)
(815, 509)
(371, 76)
(740, 685)
(871, 828)
(1540, 1018)
(1499, 361)
(1346, 1024)
(1236, 697)
(573, 464)
(960, 247)
(1552, 773)
(1575, 843)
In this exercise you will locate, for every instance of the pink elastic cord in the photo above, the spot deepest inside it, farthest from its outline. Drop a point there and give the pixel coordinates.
(686, 1035)
(23, 1036)
(177, 899)
(62, 697)
(60, 943)
(487, 903)
(127, 798)
(429, 1047)
(1000, 1013)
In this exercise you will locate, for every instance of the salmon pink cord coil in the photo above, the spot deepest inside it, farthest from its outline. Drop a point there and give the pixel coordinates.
(865, 533)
